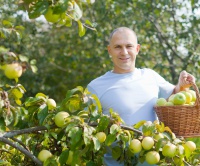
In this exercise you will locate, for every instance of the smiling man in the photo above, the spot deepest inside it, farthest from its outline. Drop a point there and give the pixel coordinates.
(130, 91)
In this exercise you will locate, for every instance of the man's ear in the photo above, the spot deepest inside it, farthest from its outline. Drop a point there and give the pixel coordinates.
(108, 48)
(138, 48)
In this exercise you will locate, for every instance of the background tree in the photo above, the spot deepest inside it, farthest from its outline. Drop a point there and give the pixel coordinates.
(63, 60)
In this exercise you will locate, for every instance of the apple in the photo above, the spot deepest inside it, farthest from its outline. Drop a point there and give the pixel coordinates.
(60, 118)
(152, 157)
(50, 17)
(70, 158)
(135, 146)
(169, 150)
(17, 93)
(193, 93)
(179, 99)
(158, 136)
(188, 96)
(191, 145)
(13, 70)
(147, 143)
(101, 136)
(161, 101)
(171, 98)
(169, 103)
(44, 155)
(51, 104)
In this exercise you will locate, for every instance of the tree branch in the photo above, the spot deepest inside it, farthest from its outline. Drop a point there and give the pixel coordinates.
(24, 151)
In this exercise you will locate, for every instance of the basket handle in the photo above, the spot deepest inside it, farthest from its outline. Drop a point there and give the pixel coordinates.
(197, 102)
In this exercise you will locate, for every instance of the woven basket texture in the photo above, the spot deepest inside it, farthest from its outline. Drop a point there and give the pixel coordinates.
(183, 120)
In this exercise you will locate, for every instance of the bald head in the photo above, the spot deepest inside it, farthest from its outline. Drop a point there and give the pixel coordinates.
(121, 29)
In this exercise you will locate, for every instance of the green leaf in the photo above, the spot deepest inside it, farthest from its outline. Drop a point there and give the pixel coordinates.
(2, 125)
(7, 24)
(81, 29)
(60, 7)
(76, 13)
(33, 101)
(63, 157)
(103, 123)
(110, 139)
(97, 144)
(76, 135)
(114, 129)
(116, 152)
(42, 113)
(139, 124)
(38, 9)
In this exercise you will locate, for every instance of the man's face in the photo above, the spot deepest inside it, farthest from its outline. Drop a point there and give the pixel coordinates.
(123, 49)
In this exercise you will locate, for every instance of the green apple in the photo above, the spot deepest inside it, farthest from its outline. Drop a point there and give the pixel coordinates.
(193, 93)
(169, 103)
(152, 157)
(188, 96)
(13, 70)
(101, 136)
(135, 146)
(179, 99)
(51, 104)
(44, 155)
(60, 118)
(191, 145)
(51, 17)
(161, 102)
(169, 150)
(147, 143)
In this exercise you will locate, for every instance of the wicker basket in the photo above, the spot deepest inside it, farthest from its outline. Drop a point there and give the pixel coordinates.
(182, 120)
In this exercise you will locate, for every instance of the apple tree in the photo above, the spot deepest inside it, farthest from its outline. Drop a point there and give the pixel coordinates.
(76, 132)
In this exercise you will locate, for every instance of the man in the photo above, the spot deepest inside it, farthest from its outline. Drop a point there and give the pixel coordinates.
(130, 91)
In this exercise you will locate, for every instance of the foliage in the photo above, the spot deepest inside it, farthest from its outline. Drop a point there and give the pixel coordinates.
(29, 127)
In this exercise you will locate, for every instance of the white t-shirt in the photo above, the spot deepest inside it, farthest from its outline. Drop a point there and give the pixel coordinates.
(132, 96)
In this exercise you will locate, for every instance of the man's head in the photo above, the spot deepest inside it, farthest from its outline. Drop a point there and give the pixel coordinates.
(123, 48)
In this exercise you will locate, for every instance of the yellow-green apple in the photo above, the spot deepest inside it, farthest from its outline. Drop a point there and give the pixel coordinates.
(152, 157)
(179, 99)
(169, 103)
(188, 96)
(193, 93)
(147, 143)
(101, 136)
(13, 70)
(51, 17)
(171, 98)
(191, 145)
(135, 146)
(169, 150)
(60, 119)
(44, 155)
(161, 102)
(51, 104)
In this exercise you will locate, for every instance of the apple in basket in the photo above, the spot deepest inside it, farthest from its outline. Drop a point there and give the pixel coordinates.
(179, 99)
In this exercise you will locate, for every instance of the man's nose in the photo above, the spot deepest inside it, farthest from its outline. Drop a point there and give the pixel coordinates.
(124, 51)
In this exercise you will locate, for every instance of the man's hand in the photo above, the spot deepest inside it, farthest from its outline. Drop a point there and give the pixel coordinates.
(184, 81)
